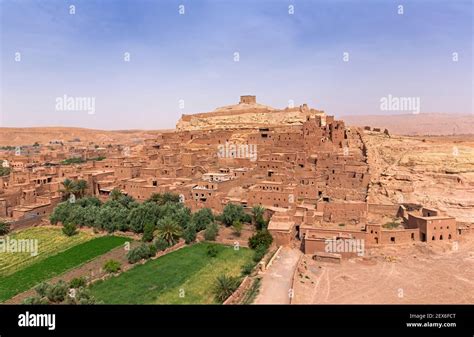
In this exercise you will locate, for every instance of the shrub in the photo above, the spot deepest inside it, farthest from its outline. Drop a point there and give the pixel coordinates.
(152, 250)
(170, 197)
(181, 214)
(148, 230)
(60, 213)
(42, 289)
(89, 201)
(189, 234)
(160, 244)
(259, 253)
(233, 213)
(115, 194)
(84, 297)
(246, 218)
(69, 229)
(35, 300)
(237, 225)
(111, 266)
(113, 216)
(224, 286)
(143, 214)
(78, 282)
(261, 238)
(4, 171)
(139, 253)
(211, 231)
(212, 251)
(390, 225)
(257, 217)
(76, 216)
(135, 254)
(162, 199)
(202, 218)
(4, 228)
(247, 268)
(57, 292)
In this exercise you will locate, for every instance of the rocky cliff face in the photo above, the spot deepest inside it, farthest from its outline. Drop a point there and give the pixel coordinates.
(434, 171)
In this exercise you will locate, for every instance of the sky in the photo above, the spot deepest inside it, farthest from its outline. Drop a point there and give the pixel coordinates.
(141, 64)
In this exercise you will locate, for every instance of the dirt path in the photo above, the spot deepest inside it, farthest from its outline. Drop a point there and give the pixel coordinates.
(277, 280)
(91, 269)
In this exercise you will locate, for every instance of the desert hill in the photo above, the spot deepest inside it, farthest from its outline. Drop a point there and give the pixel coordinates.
(43, 135)
(435, 124)
(246, 114)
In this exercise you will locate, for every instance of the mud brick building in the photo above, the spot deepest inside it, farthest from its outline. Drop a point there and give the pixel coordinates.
(307, 169)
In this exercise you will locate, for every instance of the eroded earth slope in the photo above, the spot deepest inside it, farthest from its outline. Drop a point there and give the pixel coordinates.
(433, 171)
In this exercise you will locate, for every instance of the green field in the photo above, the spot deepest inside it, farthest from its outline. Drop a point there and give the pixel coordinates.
(163, 280)
(49, 267)
(51, 241)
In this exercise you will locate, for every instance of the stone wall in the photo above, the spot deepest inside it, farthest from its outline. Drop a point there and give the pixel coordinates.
(237, 295)
(383, 209)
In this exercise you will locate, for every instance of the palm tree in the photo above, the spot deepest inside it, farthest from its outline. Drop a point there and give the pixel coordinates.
(69, 187)
(224, 286)
(168, 229)
(4, 227)
(81, 187)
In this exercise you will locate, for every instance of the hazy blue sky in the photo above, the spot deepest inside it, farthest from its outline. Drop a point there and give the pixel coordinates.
(283, 57)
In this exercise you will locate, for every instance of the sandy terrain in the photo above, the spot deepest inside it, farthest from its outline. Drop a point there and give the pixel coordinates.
(228, 236)
(417, 273)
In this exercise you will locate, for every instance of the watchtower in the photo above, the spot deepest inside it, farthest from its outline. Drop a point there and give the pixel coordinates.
(248, 99)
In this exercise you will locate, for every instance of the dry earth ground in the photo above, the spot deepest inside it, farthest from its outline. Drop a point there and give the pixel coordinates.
(418, 273)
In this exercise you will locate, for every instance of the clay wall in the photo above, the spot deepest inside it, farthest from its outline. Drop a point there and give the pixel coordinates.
(399, 236)
(37, 211)
(282, 238)
(383, 209)
(343, 212)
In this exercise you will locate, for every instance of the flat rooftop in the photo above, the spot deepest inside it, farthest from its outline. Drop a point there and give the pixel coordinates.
(281, 225)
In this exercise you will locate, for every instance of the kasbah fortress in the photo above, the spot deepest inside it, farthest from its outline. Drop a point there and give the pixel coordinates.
(320, 182)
